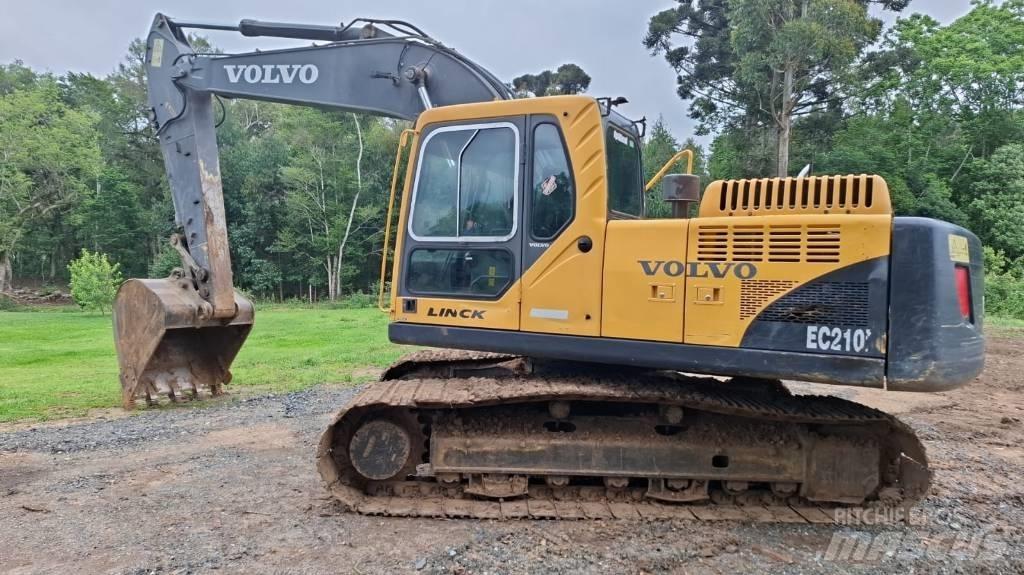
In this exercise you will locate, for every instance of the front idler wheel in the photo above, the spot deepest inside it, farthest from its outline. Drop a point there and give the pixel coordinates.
(380, 450)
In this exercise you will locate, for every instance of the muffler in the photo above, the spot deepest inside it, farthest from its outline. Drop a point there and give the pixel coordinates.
(170, 345)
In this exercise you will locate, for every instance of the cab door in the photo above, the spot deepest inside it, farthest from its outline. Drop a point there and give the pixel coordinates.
(564, 220)
(461, 254)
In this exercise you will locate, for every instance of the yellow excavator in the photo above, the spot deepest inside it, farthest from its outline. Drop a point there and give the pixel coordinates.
(584, 361)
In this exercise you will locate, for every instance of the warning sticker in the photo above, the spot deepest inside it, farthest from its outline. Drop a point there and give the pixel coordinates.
(157, 58)
(959, 250)
(548, 186)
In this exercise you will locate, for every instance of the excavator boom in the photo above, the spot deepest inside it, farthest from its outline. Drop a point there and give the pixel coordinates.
(382, 67)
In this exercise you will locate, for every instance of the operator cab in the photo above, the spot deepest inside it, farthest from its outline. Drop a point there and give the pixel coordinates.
(506, 210)
(489, 196)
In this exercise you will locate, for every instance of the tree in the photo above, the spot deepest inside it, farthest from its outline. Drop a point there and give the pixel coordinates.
(999, 207)
(49, 154)
(355, 200)
(567, 79)
(761, 63)
(94, 281)
(971, 71)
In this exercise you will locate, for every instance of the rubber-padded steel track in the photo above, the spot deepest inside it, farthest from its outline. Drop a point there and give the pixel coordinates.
(449, 388)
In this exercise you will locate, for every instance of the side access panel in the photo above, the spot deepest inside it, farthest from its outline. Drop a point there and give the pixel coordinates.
(776, 282)
(644, 280)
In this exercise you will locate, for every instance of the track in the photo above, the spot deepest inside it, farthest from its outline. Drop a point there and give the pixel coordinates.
(467, 422)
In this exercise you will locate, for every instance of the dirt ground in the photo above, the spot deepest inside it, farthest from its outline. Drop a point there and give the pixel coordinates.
(231, 486)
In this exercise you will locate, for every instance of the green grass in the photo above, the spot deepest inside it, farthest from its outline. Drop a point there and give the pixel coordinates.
(57, 364)
(61, 363)
(1004, 326)
(1004, 322)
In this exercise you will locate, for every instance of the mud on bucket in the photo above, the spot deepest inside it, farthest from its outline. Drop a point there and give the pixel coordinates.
(166, 345)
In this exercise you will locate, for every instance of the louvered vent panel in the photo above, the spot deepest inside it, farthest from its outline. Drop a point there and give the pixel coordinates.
(822, 244)
(825, 303)
(785, 244)
(713, 243)
(747, 243)
(773, 243)
(755, 293)
(849, 194)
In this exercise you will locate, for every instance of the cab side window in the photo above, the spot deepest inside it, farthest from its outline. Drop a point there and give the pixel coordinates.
(625, 188)
(552, 196)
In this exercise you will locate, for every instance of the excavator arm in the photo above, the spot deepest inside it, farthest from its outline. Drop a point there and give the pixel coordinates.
(363, 69)
(182, 333)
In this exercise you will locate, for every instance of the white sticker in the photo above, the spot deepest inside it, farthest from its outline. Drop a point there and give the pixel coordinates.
(540, 313)
(826, 338)
(548, 186)
(156, 59)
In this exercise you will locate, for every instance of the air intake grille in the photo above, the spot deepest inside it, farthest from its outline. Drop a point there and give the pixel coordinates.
(755, 293)
(827, 303)
(812, 243)
(836, 192)
(848, 194)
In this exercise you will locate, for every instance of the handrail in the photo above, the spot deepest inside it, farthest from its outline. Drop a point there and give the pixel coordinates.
(668, 165)
(403, 141)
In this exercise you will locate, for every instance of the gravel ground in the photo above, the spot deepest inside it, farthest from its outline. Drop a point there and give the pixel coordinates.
(231, 486)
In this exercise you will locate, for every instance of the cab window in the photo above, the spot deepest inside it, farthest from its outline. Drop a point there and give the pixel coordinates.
(472, 272)
(552, 195)
(625, 190)
(465, 185)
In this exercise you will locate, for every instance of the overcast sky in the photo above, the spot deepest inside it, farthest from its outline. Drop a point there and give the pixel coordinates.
(508, 38)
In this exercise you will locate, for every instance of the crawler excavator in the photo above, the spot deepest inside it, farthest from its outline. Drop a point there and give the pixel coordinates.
(583, 361)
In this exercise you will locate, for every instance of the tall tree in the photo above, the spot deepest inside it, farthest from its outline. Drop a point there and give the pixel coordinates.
(567, 79)
(999, 207)
(49, 155)
(763, 62)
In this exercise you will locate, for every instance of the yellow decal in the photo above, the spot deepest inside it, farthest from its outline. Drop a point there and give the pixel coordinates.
(157, 59)
(959, 250)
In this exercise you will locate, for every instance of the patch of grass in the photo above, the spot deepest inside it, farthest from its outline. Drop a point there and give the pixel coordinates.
(1005, 325)
(55, 364)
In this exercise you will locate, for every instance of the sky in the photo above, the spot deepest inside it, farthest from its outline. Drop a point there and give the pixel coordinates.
(508, 38)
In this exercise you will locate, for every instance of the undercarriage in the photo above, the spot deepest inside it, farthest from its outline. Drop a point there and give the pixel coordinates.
(460, 434)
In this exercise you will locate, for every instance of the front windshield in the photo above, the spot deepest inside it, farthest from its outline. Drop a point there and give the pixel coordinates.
(625, 191)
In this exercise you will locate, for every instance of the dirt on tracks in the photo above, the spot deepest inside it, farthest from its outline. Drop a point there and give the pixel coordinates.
(231, 486)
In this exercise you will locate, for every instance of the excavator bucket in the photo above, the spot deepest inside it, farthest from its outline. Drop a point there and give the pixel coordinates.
(169, 346)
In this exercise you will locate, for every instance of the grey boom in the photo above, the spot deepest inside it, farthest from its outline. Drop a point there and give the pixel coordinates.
(363, 68)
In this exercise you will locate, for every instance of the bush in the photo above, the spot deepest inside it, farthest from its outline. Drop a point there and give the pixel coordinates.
(7, 303)
(165, 261)
(94, 281)
(1004, 285)
(358, 300)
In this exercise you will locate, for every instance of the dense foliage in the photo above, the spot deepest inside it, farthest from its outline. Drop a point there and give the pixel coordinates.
(305, 189)
(935, 109)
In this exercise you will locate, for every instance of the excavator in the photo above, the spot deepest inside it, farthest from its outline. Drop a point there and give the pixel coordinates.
(579, 360)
